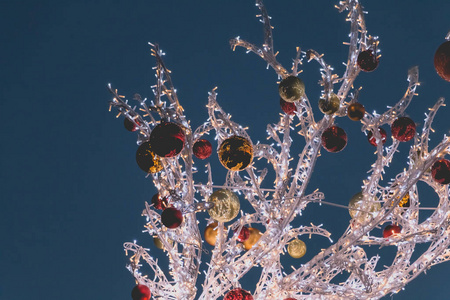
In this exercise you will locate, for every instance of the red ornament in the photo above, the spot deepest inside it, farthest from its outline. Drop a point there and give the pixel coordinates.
(390, 230)
(440, 171)
(158, 202)
(129, 125)
(243, 235)
(290, 299)
(288, 108)
(140, 292)
(371, 137)
(403, 129)
(147, 160)
(202, 149)
(238, 294)
(442, 61)
(171, 217)
(167, 139)
(334, 139)
(367, 61)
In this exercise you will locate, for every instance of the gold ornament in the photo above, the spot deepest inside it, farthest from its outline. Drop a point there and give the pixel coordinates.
(211, 232)
(159, 244)
(226, 205)
(255, 234)
(356, 203)
(291, 89)
(297, 248)
(329, 106)
(147, 160)
(236, 153)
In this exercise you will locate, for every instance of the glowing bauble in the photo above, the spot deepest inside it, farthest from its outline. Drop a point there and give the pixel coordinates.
(129, 125)
(253, 238)
(440, 171)
(171, 217)
(202, 149)
(243, 235)
(226, 205)
(390, 230)
(158, 202)
(367, 61)
(238, 294)
(287, 107)
(291, 89)
(403, 129)
(211, 232)
(442, 61)
(236, 153)
(296, 248)
(356, 204)
(167, 139)
(147, 160)
(356, 111)
(140, 292)
(334, 139)
(372, 140)
(405, 201)
(329, 106)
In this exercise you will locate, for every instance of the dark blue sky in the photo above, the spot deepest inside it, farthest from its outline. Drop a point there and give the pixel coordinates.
(71, 190)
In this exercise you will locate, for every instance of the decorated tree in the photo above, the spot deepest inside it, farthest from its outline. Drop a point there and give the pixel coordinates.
(251, 225)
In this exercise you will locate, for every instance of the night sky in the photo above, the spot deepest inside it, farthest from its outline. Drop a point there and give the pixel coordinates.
(72, 193)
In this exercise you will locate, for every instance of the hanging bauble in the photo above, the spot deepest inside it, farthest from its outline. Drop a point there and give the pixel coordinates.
(236, 153)
(129, 125)
(287, 107)
(238, 294)
(159, 244)
(202, 149)
(390, 230)
(372, 140)
(226, 205)
(291, 89)
(442, 61)
(159, 202)
(147, 160)
(367, 61)
(334, 139)
(296, 248)
(440, 171)
(253, 238)
(329, 106)
(403, 129)
(243, 235)
(171, 217)
(356, 204)
(356, 111)
(140, 292)
(211, 232)
(290, 299)
(404, 203)
(167, 139)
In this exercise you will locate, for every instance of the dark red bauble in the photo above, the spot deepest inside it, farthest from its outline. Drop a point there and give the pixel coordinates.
(367, 61)
(334, 139)
(167, 139)
(390, 230)
(171, 217)
(371, 137)
(403, 129)
(243, 235)
(442, 61)
(440, 171)
(140, 292)
(238, 294)
(202, 149)
(129, 125)
(158, 202)
(147, 160)
(288, 107)
(290, 299)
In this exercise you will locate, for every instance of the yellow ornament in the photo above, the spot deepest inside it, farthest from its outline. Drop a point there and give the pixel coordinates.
(236, 153)
(297, 248)
(211, 232)
(255, 234)
(159, 244)
(226, 205)
(356, 203)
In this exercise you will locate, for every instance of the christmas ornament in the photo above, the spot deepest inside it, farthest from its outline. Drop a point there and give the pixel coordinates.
(129, 125)
(238, 294)
(243, 235)
(356, 204)
(147, 160)
(390, 230)
(291, 89)
(440, 171)
(356, 111)
(334, 139)
(329, 106)
(290, 299)
(372, 140)
(171, 217)
(211, 232)
(167, 139)
(226, 205)
(159, 244)
(288, 107)
(296, 248)
(202, 149)
(367, 61)
(140, 292)
(236, 153)
(253, 238)
(403, 129)
(442, 61)
(405, 201)
(158, 202)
